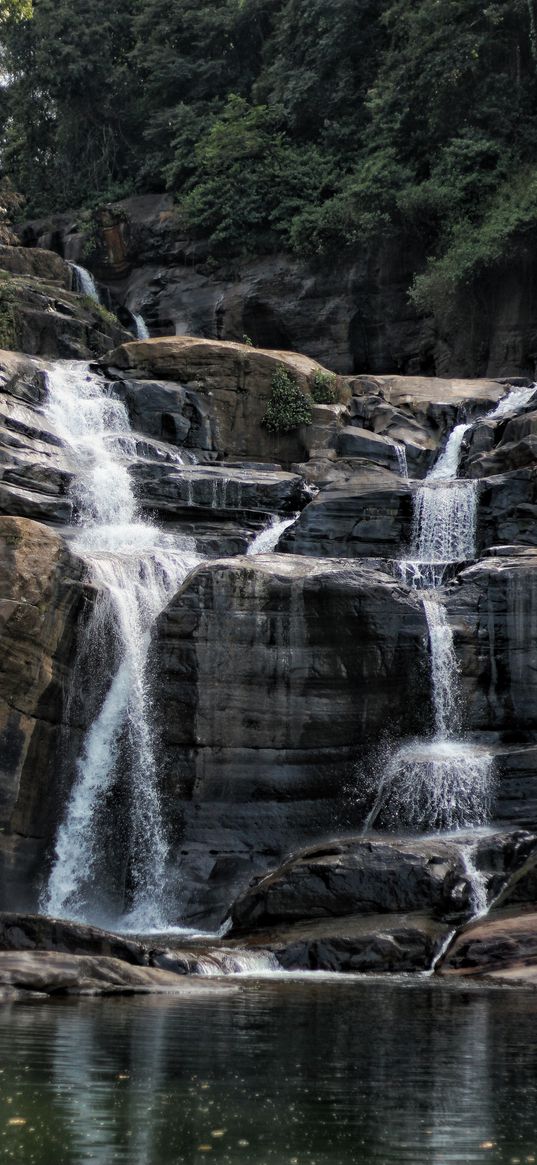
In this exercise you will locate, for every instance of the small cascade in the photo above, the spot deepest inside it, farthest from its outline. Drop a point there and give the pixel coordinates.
(84, 282)
(516, 398)
(444, 524)
(230, 962)
(136, 568)
(267, 540)
(444, 783)
(140, 326)
(479, 904)
(400, 452)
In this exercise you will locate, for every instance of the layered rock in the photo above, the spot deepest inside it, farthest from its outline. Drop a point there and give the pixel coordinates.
(40, 313)
(238, 379)
(275, 675)
(43, 599)
(376, 904)
(54, 973)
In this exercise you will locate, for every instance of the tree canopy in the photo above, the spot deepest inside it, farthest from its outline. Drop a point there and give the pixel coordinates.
(284, 123)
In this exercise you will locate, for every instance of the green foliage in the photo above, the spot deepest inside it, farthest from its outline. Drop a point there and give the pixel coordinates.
(291, 124)
(287, 406)
(8, 317)
(323, 389)
(106, 316)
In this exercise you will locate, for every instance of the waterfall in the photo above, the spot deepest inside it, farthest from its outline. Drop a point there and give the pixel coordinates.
(444, 523)
(84, 282)
(141, 328)
(400, 452)
(443, 783)
(267, 540)
(136, 569)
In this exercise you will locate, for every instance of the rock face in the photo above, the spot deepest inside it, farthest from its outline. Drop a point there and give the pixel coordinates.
(281, 681)
(238, 379)
(276, 674)
(360, 320)
(43, 597)
(41, 314)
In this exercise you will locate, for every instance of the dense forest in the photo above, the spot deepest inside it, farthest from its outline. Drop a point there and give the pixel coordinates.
(290, 124)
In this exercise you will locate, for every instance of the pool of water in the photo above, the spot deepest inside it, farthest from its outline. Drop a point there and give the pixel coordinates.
(282, 1072)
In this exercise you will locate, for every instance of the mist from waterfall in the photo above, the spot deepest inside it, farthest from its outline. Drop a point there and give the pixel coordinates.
(135, 568)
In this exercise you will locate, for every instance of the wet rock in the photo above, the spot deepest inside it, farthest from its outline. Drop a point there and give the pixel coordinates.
(378, 944)
(376, 875)
(37, 932)
(503, 941)
(275, 674)
(366, 515)
(57, 973)
(172, 490)
(493, 608)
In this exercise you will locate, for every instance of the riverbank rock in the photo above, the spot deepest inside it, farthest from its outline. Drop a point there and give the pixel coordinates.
(56, 973)
(376, 875)
(372, 943)
(504, 941)
(38, 932)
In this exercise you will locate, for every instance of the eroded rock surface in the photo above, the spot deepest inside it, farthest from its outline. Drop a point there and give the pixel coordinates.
(276, 674)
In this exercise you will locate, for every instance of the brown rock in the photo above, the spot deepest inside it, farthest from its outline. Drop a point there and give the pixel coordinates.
(56, 973)
(239, 380)
(41, 599)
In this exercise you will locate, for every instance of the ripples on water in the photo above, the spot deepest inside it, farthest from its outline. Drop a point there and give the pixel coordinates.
(279, 1073)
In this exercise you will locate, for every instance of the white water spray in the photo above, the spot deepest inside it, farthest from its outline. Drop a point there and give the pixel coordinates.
(136, 568)
(267, 540)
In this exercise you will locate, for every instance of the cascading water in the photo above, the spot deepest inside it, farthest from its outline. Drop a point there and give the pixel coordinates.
(135, 568)
(267, 540)
(84, 282)
(444, 783)
(141, 328)
(444, 524)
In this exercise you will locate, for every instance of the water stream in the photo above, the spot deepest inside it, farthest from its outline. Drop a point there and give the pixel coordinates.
(84, 282)
(142, 330)
(267, 540)
(136, 568)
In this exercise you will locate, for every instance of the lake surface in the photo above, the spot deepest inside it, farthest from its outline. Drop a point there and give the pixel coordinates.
(296, 1072)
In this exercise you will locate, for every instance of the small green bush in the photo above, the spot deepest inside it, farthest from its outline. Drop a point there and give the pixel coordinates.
(323, 389)
(287, 407)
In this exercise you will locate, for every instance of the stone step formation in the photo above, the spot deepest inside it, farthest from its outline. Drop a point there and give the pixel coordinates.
(223, 645)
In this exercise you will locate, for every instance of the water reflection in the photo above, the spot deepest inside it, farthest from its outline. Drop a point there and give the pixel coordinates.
(282, 1073)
